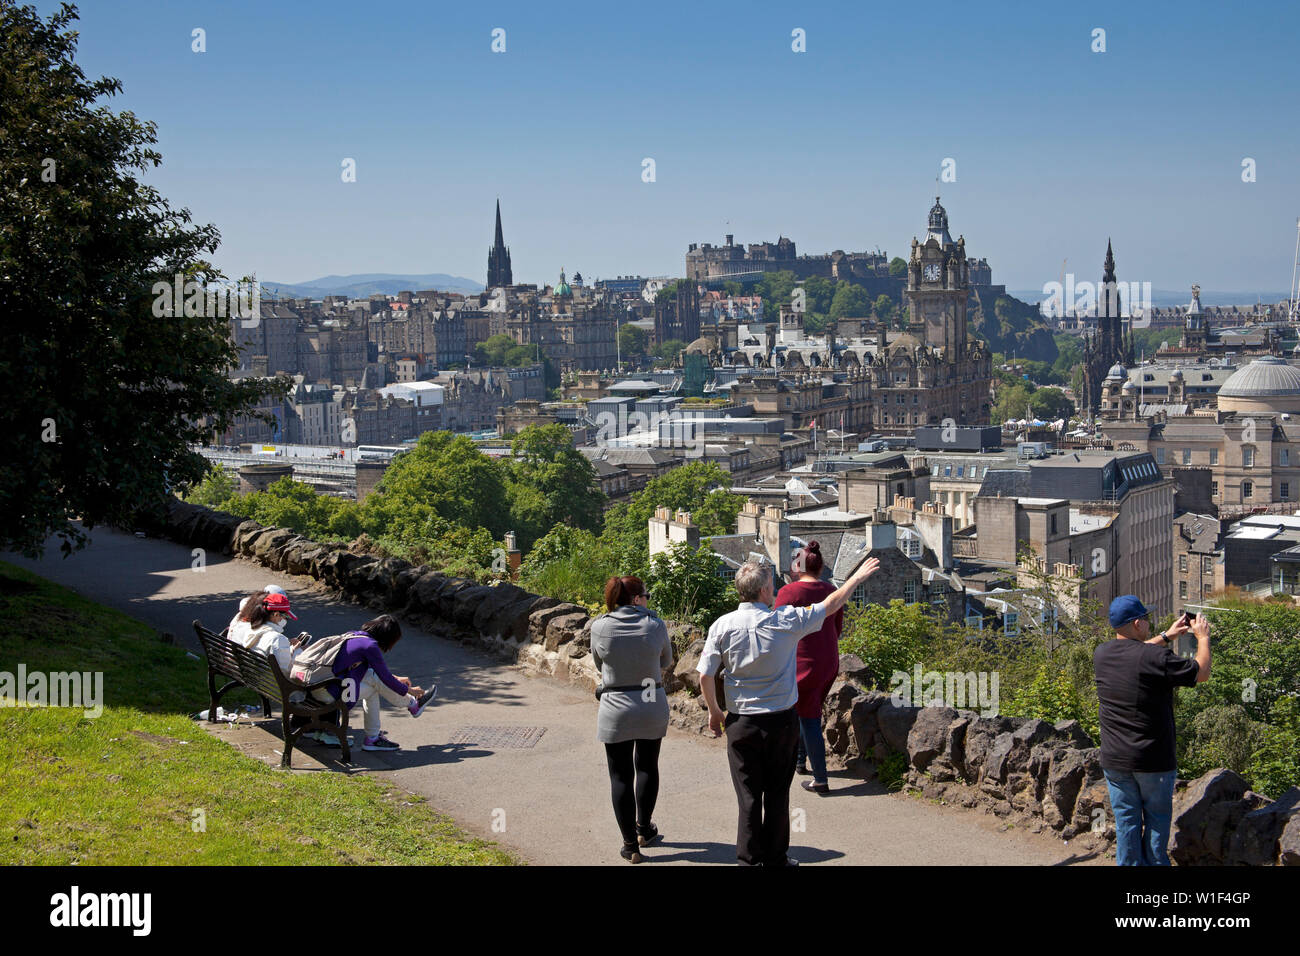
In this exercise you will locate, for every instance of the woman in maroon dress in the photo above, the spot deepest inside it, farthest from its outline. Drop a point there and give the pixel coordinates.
(817, 662)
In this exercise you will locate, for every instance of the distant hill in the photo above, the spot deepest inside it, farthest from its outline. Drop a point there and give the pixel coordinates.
(1011, 326)
(367, 284)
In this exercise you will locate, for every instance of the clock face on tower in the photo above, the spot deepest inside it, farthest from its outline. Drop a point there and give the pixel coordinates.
(931, 272)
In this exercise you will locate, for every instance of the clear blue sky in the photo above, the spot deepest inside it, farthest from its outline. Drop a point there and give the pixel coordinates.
(1056, 147)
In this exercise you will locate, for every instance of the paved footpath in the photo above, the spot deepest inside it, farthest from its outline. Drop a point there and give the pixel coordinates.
(553, 798)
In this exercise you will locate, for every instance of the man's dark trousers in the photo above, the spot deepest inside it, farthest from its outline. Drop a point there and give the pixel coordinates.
(760, 750)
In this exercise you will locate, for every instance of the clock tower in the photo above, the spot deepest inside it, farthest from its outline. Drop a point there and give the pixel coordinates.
(938, 285)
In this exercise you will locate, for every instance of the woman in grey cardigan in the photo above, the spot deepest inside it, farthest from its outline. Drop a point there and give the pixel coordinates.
(631, 647)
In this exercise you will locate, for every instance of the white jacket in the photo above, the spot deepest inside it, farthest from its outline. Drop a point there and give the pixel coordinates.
(270, 639)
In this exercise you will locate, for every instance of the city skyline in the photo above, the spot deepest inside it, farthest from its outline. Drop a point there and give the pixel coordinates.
(1056, 148)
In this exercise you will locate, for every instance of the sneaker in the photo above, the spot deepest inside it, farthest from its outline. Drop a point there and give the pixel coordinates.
(631, 852)
(380, 742)
(416, 709)
(324, 737)
(812, 786)
(647, 835)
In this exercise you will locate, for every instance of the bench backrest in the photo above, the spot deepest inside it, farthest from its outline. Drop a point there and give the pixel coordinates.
(252, 668)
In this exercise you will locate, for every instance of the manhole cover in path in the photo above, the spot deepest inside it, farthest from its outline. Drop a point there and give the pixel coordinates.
(503, 737)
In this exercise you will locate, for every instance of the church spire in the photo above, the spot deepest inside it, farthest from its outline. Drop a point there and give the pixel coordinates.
(498, 273)
(1109, 265)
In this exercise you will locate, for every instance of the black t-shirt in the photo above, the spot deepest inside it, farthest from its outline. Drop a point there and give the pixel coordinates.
(1135, 686)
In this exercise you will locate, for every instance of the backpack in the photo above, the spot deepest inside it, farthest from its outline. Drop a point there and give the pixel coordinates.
(316, 662)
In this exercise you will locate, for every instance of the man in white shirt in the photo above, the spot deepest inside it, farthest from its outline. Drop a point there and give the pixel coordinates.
(757, 645)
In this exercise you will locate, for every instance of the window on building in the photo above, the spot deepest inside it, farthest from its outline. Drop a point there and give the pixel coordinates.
(1207, 564)
(910, 591)
(1182, 562)
(1011, 623)
(916, 399)
(1053, 523)
(1247, 457)
(1247, 489)
(1214, 456)
(961, 471)
(975, 621)
(1214, 489)
(1160, 456)
(1284, 491)
(860, 595)
(1182, 589)
(947, 471)
(1187, 456)
(1284, 457)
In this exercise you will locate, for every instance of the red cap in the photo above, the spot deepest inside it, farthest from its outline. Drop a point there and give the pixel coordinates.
(278, 603)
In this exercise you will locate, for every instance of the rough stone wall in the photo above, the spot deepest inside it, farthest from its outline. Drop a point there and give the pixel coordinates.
(543, 635)
(1028, 772)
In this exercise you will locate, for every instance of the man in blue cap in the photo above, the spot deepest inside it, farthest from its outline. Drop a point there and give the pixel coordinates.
(1136, 676)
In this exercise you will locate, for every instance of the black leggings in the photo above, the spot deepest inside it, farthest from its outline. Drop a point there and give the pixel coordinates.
(633, 804)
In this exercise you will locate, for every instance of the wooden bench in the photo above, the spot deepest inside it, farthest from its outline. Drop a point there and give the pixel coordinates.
(261, 674)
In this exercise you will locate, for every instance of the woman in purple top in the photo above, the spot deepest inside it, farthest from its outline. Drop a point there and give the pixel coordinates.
(360, 664)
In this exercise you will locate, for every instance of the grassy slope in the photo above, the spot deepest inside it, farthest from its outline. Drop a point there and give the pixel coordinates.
(123, 787)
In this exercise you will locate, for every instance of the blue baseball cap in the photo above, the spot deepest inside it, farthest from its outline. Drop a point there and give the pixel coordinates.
(1125, 609)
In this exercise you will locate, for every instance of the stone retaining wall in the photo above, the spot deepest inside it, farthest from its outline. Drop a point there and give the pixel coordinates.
(1028, 772)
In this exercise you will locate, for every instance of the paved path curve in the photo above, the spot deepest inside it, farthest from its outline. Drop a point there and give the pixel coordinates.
(553, 799)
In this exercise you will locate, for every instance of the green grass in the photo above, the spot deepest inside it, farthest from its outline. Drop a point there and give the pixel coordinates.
(124, 788)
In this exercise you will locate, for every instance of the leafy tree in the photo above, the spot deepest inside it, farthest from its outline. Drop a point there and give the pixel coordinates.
(889, 638)
(1051, 695)
(698, 487)
(215, 490)
(632, 341)
(897, 266)
(668, 351)
(569, 564)
(1221, 735)
(1275, 766)
(1050, 404)
(296, 505)
(850, 301)
(451, 548)
(884, 308)
(819, 293)
(103, 396)
(685, 585)
(443, 475)
(1012, 402)
(552, 482)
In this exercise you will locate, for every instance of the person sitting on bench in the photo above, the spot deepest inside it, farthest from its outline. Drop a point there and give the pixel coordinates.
(237, 629)
(364, 676)
(266, 616)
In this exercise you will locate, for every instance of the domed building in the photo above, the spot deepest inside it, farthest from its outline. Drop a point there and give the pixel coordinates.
(1266, 385)
(1229, 460)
